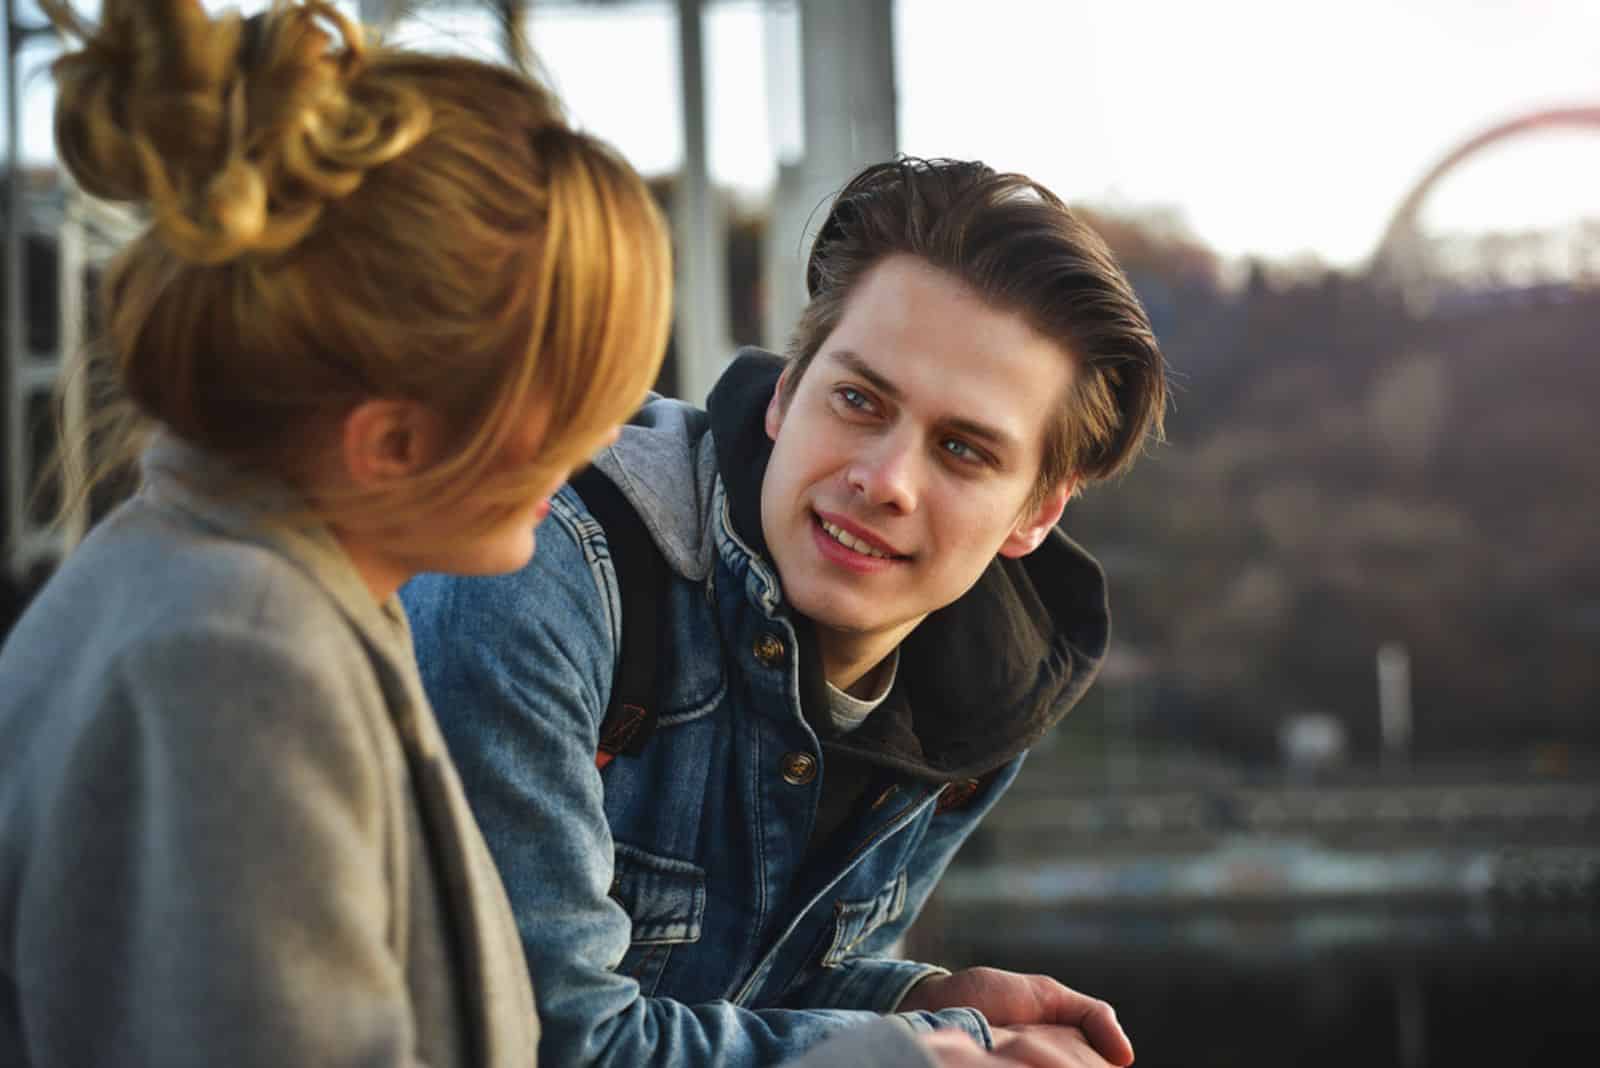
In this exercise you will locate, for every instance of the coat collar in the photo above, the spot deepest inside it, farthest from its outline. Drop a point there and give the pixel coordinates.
(262, 511)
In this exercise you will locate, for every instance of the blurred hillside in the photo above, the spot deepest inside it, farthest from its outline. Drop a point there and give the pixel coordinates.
(1343, 471)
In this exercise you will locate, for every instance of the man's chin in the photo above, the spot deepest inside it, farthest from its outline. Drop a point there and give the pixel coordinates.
(844, 616)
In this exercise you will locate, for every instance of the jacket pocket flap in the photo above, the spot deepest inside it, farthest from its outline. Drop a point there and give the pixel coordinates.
(665, 898)
(855, 920)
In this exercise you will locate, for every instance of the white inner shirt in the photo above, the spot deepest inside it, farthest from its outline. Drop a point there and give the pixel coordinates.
(846, 713)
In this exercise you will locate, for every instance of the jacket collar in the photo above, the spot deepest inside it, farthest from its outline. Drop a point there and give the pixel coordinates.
(738, 406)
(981, 679)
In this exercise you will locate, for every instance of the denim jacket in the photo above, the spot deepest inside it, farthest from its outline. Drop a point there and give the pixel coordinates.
(674, 907)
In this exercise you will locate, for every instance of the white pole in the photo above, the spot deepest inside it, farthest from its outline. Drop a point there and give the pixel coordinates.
(1394, 703)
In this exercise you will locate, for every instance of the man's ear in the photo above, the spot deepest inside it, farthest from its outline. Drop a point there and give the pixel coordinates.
(385, 440)
(1035, 524)
(773, 421)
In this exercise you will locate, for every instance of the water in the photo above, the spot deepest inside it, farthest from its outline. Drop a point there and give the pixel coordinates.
(1375, 986)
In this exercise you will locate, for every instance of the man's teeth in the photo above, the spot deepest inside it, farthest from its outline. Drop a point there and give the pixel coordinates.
(850, 541)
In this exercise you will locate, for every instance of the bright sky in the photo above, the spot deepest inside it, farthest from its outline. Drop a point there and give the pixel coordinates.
(1276, 127)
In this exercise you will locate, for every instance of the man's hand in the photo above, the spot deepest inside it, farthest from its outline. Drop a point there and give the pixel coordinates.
(1024, 1046)
(1009, 1000)
(956, 1049)
(1050, 1046)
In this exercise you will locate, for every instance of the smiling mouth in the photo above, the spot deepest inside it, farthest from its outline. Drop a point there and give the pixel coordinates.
(853, 543)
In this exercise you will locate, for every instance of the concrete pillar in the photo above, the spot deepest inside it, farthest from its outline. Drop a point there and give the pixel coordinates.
(700, 329)
(372, 12)
(847, 85)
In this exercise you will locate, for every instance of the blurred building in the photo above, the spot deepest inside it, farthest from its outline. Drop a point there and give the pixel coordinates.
(842, 96)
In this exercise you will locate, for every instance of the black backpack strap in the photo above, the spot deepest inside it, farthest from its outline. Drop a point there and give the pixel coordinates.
(642, 582)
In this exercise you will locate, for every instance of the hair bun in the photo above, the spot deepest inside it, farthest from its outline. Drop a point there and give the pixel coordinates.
(235, 135)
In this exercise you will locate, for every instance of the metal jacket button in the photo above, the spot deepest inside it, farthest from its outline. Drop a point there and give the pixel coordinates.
(956, 794)
(769, 650)
(799, 768)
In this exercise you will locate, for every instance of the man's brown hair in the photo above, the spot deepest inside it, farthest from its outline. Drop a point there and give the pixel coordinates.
(1020, 248)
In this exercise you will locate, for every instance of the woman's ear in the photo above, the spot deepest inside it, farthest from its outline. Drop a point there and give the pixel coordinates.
(1035, 524)
(386, 440)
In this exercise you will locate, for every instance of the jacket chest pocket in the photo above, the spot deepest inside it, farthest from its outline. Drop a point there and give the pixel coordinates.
(666, 901)
(855, 921)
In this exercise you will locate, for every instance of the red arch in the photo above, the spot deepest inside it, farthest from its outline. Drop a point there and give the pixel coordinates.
(1403, 222)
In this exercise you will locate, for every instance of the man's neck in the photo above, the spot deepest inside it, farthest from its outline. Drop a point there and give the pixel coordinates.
(851, 662)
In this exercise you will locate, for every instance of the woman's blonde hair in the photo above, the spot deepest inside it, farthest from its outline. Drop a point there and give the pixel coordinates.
(332, 222)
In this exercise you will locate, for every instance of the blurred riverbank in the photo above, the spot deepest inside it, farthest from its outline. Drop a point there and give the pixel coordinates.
(1386, 921)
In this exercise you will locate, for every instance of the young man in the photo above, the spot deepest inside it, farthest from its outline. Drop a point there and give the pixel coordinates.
(868, 616)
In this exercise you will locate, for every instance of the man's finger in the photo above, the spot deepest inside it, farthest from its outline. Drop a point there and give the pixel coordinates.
(1095, 1018)
(1047, 1046)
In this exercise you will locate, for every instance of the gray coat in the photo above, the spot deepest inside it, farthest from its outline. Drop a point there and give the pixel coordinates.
(229, 831)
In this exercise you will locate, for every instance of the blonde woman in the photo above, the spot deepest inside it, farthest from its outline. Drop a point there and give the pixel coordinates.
(385, 304)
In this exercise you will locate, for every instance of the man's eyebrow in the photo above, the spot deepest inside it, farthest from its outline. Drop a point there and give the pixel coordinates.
(972, 428)
(858, 367)
(993, 436)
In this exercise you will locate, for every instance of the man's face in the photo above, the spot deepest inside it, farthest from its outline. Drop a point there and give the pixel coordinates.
(905, 459)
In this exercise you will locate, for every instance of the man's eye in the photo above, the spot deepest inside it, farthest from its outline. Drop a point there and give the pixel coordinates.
(957, 449)
(853, 398)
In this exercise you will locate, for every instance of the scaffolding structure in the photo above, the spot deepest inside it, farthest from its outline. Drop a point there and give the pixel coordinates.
(51, 229)
(845, 99)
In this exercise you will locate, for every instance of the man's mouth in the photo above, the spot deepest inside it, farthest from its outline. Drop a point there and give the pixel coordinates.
(854, 543)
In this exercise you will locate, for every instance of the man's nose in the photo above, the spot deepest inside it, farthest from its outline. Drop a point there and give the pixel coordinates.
(887, 473)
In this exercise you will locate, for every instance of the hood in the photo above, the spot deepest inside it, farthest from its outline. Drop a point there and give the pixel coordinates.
(664, 465)
(981, 679)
